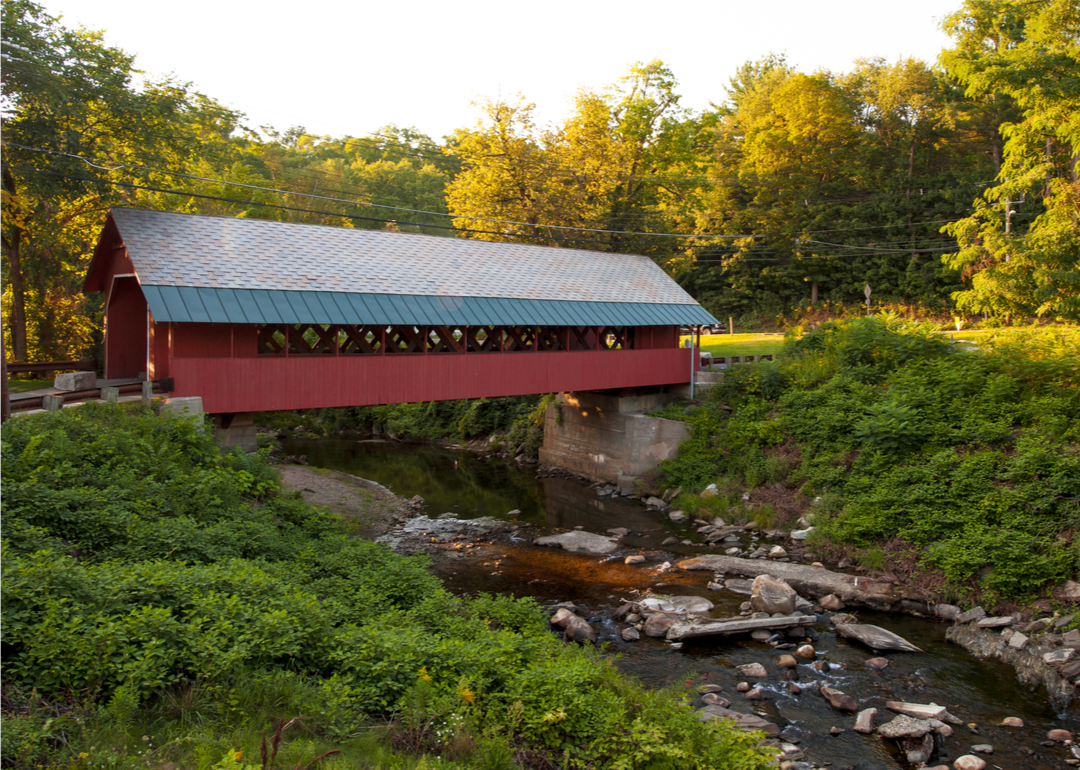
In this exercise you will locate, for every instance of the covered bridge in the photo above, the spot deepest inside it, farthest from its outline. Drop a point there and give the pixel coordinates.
(256, 315)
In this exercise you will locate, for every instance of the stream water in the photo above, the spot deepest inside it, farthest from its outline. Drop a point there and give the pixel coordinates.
(470, 486)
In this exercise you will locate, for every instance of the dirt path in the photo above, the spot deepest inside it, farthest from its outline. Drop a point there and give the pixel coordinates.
(370, 508)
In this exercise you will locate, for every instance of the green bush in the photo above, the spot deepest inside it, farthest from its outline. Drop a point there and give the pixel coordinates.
(146, 576)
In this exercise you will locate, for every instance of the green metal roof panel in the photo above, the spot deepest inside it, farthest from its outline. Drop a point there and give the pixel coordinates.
(188, 305)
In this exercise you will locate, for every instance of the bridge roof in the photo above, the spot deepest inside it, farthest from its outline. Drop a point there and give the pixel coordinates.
(231, 270)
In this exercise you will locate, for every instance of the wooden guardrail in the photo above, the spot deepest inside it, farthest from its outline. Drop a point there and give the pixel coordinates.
(24, 403)
(82, 365)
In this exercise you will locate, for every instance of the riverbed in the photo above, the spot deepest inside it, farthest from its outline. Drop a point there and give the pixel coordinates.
(457, 481)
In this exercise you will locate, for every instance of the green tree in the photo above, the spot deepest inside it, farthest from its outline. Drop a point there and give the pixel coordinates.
(1021, 245)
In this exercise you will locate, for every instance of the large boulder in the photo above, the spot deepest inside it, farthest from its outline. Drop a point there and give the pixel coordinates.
(908, 727)
(747, 722)
(771, 594)
(658, 625)
(579, 630)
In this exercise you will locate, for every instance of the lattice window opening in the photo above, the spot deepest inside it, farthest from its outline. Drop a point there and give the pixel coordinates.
(617, 338)
(404, 339)
(312, 340)
(271, 339)
(519, 338)
(483, 339)
(551, 338)
(583, 338)
(444, 339)
(360, 340)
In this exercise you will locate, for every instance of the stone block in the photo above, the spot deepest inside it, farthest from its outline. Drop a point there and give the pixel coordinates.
(190, 406)
(69, 381)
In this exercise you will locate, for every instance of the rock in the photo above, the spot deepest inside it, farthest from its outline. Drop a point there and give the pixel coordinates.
(878, 664)
(995, 622)
(579, 630)
(916, 710)
(777, 552)
(875, 637)
(619, 532)
(1018, 641)
(839, 700)
(707, 688)
(983, 748)
(1071, 639)
(836, 731)
(975, 613)
(580, 542)
(787, 661)
(864, 722)
(801, 534)
(752, 669)
(670, 541)
(636, 558)
(917, 757)
(754, 693)
(561, 617)
(969, 762)
(906, 727)
(71, 381)
(820, 665)
(630, 635)
(1071, 591)
(712, 699)
(655, 502)
(739, 586)
(659, 624)
(770, 594)
(1070, 670)
(709, 491)
(677, 517)
(1058, 657)
(806, 651)
(1059, 735)
(832, 603)
(761, 634)
(1061, 622)
(746, 722)
(694, 604)
(1036, 626)
(1012, 722)
(793, 689)
(946, 611)
(515, 512)
(742, 687)
(714, 586)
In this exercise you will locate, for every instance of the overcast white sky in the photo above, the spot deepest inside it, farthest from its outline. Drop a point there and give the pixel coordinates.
(352, 67)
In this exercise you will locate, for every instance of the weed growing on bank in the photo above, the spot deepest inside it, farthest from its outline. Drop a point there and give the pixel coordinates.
(969, 458)
(163, 602)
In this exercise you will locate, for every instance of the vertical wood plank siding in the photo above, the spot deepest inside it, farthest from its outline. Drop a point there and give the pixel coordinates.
(267, 383)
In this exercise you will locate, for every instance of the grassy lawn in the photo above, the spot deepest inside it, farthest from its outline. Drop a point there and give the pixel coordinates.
(21, 386)
(725, 345)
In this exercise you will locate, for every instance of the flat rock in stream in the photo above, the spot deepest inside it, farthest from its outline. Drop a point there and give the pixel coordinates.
(875, 637)
(746, 722)
(908, 727)
(580, 541)
(810, 581)
(735, 626)
(740, 586)
(693, 604)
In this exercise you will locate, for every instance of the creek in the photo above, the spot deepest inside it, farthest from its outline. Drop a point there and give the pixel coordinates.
(471, 486)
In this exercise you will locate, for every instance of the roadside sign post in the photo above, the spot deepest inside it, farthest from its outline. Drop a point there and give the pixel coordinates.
(867, 292)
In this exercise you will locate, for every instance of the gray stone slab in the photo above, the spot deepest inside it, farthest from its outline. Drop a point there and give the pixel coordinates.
(580, 541)
(735, 626)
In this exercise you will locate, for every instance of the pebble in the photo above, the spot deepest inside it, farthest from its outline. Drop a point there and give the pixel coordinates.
(793, 689)
(636, 558)
(1012, 722)
(754, 694)
(713, 699)
(743, 687)
(969, 762)
(864, 722)
(877, 664)
(806, 651)
(752, 669)
(707, 688)
(787, 661)
(630, 635)
(1059, 735)
(983, 748)
(836, 731)
(917, 758)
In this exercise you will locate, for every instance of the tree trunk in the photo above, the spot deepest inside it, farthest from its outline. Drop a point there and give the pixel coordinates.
(18, 291)
(813, 293)
(5, 398)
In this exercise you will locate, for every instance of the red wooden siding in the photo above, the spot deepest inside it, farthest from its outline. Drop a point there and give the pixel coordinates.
(269, 383)
(126, 318)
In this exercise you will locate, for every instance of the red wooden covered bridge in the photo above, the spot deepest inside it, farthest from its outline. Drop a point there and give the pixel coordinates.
(255, 315)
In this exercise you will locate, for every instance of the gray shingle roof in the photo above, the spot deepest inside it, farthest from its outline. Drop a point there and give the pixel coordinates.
(187, 250)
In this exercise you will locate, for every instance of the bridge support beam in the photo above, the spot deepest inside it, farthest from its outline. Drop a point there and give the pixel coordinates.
(608, 437)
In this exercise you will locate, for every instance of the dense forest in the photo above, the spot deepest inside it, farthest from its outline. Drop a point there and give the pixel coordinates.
(947, 186)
